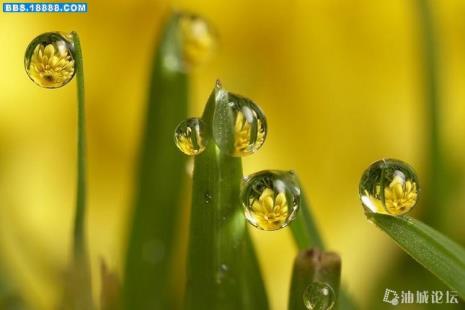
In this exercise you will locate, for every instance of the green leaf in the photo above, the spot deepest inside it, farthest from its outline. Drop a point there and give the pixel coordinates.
(222, 271)
(438, 254)
(160, 182)
(309, 266)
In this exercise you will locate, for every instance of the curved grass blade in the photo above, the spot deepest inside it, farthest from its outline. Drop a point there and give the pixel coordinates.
(309, 266)
(304, 229)
(222, 269)
(78, 283)
(438, 254)
(159, 182)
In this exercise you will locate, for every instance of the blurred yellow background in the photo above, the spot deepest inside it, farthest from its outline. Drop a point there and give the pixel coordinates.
(340, 82)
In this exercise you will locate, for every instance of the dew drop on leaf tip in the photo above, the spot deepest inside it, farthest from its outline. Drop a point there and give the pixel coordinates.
(389, 186)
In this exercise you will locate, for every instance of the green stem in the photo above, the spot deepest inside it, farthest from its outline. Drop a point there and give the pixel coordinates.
(78, 285)
(310, 266)
(431, 85)
(304, 228)
(79, 220)
(306, 235)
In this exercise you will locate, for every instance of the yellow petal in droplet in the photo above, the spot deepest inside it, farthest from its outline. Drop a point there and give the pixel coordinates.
(408, 186)
(49, 50)
(281, 200)
(270, 212)
(266, 199)
(53, 61)
(257, 206)
(242, 131)
(400, 196)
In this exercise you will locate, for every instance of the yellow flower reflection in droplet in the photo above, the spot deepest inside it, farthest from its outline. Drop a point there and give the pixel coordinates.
(51, 67)
(243, 133)
(49, 60)
(185, 143)
(389, 186)
(400, 196)
(189, 136)
(270, 212)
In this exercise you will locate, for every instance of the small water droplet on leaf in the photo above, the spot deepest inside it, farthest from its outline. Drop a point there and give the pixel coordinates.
(239, 125)
(319, 296)
(389, 186)
(208, 198)
(190, 136)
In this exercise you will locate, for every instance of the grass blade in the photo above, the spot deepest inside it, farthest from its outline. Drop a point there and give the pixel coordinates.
(159, 182)
(309, 266)
(222, 271)
(438, 254)
(79, 220)
(436, 169)
(304, 228)
(78, 286)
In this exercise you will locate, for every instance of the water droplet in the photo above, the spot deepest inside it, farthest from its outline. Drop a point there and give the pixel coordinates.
(49, 59)
(221, 273)
(190, 137)
(270, 199)
(208, 198)
(319, 296)
(198, 39)
(389, 186)
(239, 125)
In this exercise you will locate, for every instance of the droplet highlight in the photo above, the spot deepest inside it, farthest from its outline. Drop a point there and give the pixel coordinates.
(198, 39)
(389, 186)
(221, 273)
(190, 136)
(319, 296)
(49, 60)
(270, 199)
(239, 125)
(208, 198)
